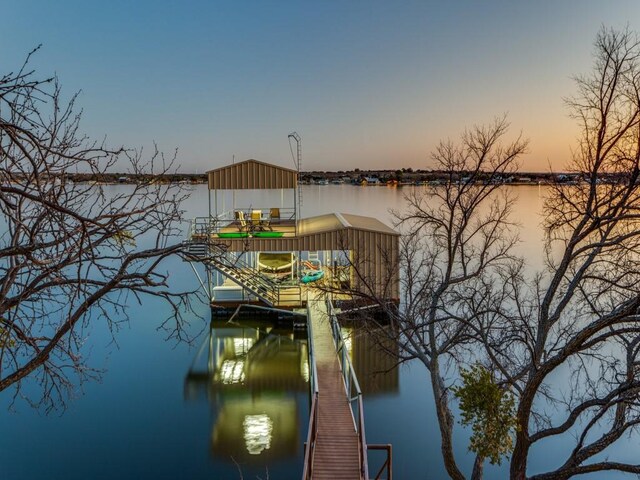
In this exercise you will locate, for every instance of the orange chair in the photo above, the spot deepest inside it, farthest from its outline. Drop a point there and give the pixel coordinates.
(274, 215)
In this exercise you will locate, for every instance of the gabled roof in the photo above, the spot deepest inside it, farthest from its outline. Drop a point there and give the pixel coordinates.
(371, 224)
(341, 221)
(252, 174)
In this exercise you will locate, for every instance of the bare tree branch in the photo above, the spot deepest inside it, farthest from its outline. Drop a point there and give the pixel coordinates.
(71, 253)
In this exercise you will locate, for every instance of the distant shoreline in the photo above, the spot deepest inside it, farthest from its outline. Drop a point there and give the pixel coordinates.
(354, 177)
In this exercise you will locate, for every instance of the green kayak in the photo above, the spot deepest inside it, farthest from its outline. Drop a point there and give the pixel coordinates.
(233, 235)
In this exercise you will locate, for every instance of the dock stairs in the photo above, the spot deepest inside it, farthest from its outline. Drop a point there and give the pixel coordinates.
(238, 271)
(196, 249)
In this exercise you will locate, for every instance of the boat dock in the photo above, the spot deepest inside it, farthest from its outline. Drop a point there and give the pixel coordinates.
(265, 254)
(336, 446)
(336, 449)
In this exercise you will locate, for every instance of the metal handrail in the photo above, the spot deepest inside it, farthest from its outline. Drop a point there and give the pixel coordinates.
(213, 223)
(201, 226)
(312, 432)
(254, 275)
(312, 351)
(387, 465)
(263, 280)
(309, 446)
(204, 226)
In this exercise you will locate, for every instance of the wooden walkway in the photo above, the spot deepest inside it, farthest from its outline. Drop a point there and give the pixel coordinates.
(336, 454)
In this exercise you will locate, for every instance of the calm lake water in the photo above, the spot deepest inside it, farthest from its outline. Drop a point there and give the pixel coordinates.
(167, 410)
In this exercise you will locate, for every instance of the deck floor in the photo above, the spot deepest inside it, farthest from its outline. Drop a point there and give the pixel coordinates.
(291, 296)
(336, 453)
(285, 226)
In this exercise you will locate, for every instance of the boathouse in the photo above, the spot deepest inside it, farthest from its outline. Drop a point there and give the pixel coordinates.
(267, 253)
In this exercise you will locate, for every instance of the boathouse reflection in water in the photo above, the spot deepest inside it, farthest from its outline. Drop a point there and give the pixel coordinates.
(254, 373)
(376, 367)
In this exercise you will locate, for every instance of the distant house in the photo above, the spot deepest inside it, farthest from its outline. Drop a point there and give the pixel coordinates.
(371, 181)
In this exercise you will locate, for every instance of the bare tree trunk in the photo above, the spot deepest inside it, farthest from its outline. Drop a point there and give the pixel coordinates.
(519, 457)
(520, 454)
(445, 422)
(478, 468)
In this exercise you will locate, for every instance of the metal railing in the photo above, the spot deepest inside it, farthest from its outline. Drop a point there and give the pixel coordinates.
(202, 227)
(252, 274)
(387, 466)
(249, 277)
(213, 224)
(354, 395)
(352, 387)
(238, 270)
(312, 433)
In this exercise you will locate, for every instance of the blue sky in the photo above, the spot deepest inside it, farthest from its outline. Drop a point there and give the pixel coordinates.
(365, 83)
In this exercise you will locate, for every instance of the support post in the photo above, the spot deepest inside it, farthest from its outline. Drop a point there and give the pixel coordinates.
(209, 284)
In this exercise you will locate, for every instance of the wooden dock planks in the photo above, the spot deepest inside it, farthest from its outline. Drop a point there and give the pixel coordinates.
(336, 454)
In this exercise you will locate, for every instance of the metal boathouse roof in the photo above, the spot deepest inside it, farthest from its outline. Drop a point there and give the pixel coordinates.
(252, 174)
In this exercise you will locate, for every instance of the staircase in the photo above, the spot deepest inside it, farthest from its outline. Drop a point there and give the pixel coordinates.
(197, 249)
(249, 279)
(238, 271)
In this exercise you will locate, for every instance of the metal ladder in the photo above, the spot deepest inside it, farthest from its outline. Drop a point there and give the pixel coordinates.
(298, 162)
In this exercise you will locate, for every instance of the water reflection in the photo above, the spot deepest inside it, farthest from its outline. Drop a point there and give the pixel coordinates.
(261, 429)
(373, 354)
(254, 374)
(374, 360)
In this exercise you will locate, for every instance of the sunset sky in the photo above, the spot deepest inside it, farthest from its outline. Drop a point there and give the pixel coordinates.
(365, 83)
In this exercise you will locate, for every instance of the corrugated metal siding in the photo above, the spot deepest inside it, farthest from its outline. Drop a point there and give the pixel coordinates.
(252, 174)
(374, 253)
(376, 256)
(262, 244)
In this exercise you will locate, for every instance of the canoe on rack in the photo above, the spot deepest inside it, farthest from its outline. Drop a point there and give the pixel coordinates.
(267, 234)
(275, 262)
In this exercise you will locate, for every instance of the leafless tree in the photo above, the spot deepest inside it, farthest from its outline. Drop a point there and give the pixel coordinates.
(565, 342)
(71, 253)
(582, 317)
(456, 237)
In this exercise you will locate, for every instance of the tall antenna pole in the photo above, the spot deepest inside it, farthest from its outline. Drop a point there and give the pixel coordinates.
(297, 192)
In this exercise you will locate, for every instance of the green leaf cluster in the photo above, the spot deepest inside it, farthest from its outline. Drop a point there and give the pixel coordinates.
(490, 411)
(5, 339)
(124, 237)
